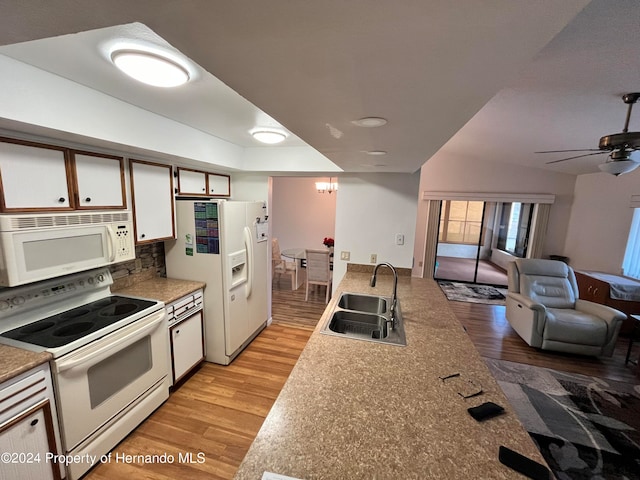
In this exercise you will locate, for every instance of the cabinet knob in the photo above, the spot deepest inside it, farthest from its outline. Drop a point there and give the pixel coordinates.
(204, 189)
(61, 200)
(88, 199)
(142, 236)
(34, 422)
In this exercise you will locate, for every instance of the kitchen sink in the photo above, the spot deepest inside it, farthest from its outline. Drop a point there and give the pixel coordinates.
(357, 324)
(365, 317)
(363, 303)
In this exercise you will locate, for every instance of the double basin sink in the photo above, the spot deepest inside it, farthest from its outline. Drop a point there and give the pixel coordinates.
(365, 317)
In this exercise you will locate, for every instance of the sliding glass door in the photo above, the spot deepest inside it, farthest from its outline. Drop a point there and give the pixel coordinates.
(459, 240)
(469, 234)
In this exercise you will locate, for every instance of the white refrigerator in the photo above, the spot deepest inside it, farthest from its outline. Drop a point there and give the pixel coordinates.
(224, 244)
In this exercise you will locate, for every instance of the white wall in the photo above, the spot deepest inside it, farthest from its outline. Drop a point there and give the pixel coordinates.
(300, 216)
(248, 187)
(371, 209)
(463, 175)
(600, 220)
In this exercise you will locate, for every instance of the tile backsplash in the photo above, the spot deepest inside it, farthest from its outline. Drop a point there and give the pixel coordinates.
(149, 263)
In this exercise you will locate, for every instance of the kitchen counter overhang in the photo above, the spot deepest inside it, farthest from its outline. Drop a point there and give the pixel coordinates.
(355, 409)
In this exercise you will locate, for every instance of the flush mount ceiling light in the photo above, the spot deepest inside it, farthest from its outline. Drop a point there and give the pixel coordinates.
(150, 68)
(268, 136)
(370, 122)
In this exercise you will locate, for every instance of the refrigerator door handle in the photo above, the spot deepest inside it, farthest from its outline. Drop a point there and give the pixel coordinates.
(248, 243)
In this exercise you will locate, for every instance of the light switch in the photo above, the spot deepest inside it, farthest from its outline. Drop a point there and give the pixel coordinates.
(399, 239)
(345, 255)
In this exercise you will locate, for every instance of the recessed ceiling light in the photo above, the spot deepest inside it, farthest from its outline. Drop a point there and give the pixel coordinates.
(150, 68)
(370, 122)
(269, 136)
(375, 152)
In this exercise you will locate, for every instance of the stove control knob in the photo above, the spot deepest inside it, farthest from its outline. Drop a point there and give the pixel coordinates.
(90, 280)
(4, 305)
(19, 300)
(100, 278)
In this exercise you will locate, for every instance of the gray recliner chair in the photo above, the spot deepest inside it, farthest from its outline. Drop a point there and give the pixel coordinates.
(544, 309)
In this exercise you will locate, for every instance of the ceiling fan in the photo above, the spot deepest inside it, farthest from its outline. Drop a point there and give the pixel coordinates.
(618, 145)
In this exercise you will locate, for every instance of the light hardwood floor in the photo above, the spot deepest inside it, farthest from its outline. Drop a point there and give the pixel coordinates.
(492, 335)
(219, 410)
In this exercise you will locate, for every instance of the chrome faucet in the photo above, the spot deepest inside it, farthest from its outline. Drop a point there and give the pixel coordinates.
(394, 298)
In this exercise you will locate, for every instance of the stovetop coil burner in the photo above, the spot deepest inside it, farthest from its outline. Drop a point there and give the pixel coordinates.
(68, 326)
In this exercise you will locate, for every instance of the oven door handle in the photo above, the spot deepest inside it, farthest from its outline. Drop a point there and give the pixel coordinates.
(137, 331)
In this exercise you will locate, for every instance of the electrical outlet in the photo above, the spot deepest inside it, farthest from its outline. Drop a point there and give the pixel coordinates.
(399, 239)
(374, 258)
(345, 255)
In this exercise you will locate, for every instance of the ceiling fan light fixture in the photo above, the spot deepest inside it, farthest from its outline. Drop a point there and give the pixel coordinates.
(150, 68)
(618, 167)
(268, 136)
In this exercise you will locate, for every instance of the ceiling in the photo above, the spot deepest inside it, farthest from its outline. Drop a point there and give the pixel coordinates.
(490, 81)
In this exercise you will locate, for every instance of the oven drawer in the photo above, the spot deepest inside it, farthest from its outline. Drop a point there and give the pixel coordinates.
(99, 380)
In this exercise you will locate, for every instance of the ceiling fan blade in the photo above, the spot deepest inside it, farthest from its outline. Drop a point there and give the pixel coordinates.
(577, 156)
(580, 150)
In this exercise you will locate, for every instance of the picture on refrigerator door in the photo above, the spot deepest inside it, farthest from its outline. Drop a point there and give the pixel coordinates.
(207, 233)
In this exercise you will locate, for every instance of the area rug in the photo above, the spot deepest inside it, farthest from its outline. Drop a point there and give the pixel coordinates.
(585, 427)
(473, 292)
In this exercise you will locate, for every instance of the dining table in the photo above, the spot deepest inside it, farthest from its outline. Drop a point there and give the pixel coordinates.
(298, 255)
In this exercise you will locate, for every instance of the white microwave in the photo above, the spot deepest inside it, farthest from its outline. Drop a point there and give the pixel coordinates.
(38, 247)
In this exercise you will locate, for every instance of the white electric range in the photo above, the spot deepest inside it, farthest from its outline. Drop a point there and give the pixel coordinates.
(111, 356)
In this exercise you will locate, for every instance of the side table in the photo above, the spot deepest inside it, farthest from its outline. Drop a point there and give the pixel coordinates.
(632, 338)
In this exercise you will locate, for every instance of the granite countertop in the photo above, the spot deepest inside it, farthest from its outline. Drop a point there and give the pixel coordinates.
(360, 410)
(166, 290)
(14, 361)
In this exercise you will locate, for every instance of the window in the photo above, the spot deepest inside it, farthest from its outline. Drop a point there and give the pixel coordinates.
(631, 262)
(460, 222)
(515, 222)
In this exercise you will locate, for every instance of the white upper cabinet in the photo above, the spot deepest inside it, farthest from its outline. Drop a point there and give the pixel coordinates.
(191, 182)
(152, 197)
(37, 177)
(100, 181)
(199, 183)
(34, 177)
(219, 185)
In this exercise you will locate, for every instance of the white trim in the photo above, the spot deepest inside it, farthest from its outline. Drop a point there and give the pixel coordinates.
(495, 197)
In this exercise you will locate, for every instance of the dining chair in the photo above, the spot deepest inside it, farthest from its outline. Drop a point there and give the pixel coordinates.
(279, 266)
(318, 271)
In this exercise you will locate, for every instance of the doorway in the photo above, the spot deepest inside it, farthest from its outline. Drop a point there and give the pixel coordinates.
(474, 235)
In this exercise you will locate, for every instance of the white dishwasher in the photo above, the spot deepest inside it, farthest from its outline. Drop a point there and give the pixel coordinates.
(186, 332)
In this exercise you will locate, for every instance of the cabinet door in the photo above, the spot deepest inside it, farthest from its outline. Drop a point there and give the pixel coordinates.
(100, 181)
(219, 185)
(30, 435)
(187, 349)
(34, 177)
(191, 182)
(152, 196)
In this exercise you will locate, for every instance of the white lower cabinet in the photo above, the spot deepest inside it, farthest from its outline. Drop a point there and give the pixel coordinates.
(29, 435)
(186, 332)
